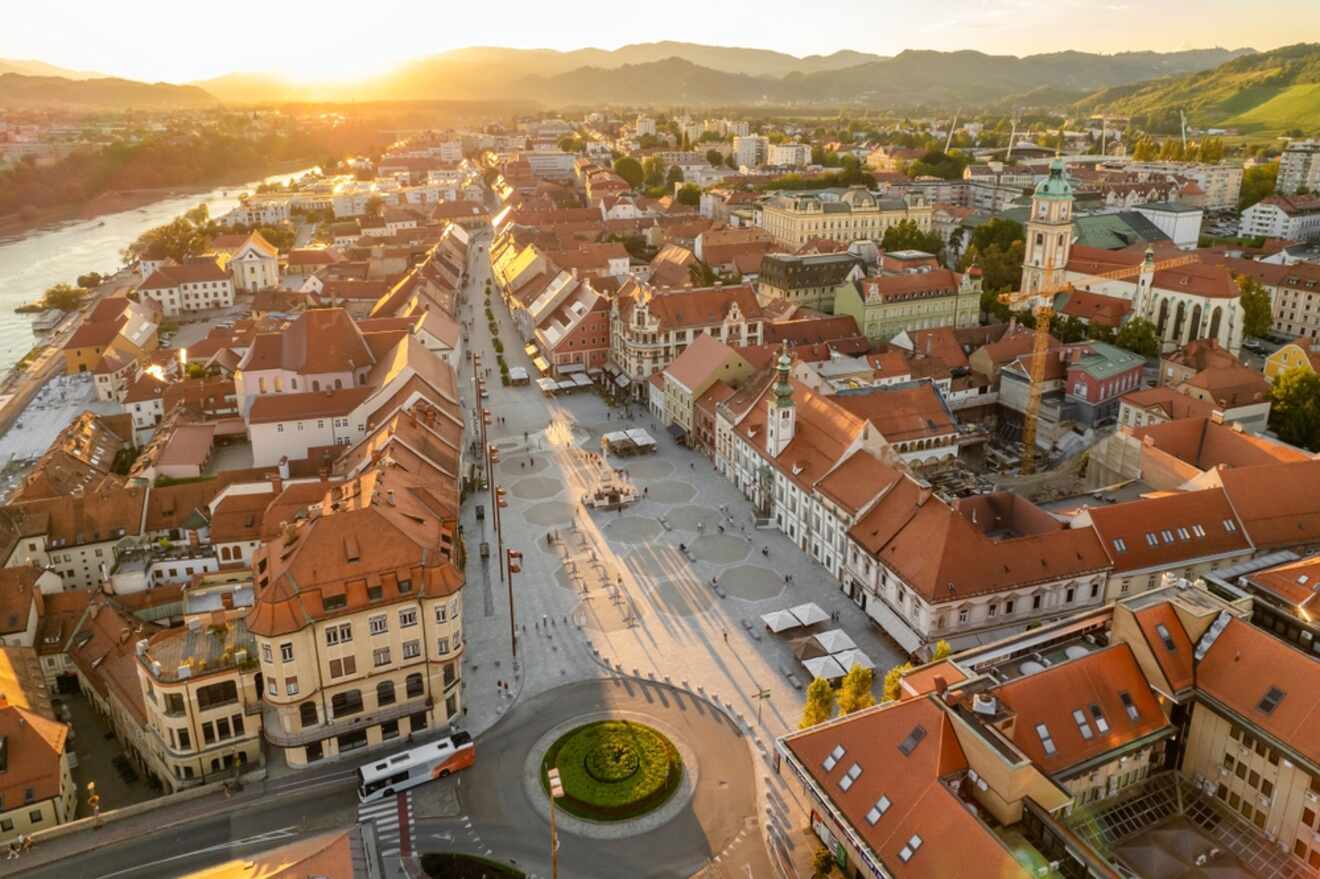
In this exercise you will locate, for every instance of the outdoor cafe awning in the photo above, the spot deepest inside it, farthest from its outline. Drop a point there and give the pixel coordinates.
(824, 667)
(835, 641)
(780, 621)
(542, 366)
(809, 614)
(852, 658)
(530, 349)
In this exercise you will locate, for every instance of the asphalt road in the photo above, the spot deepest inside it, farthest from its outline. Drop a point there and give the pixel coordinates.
(493, 796)
(720, 818)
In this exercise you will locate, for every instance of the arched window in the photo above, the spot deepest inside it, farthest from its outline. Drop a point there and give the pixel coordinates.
(316, 385)
(307, 714)
(1164, 318)
(348, 702)
(1215, 317)
(414, 686)
(385, 693)
(1180, 315)
(338, 384)
(1195, 332)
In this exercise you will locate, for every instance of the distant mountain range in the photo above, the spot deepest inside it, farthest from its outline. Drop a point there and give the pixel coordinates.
(108, 93)
(668, 74)
(29, 67)
(1269, 91)
(688, 73)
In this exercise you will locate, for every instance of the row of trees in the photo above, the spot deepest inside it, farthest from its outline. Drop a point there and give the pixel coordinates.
(1148, 149)
(854, 691)
(191, 235)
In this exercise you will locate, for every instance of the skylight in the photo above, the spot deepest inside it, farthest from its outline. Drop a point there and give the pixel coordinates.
(1080, 717)
(1230, 525)
(881, 806)
(909, 744)
(1152, 539)
(1129, 705)
(1120, 545)
(833, 759)
(852, 774)
(1271, 701)
(1198, 531)
(910, 849)
(1099, 717)
(1167, 535)
(1163, 632)
(1046, 739)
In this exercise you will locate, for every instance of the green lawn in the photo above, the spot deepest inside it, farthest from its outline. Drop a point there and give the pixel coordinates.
(613, 770)
(1277, 108)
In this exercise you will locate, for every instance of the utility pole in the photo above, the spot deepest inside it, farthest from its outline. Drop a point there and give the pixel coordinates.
(514, 560)
(556, 791)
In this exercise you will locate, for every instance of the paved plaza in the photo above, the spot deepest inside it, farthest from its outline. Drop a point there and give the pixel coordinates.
(670, 588)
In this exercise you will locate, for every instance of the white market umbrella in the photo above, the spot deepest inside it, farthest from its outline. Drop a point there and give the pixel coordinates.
(809, 613)
(835, 641)
(824, 667)
(780, 621)
(851, 659)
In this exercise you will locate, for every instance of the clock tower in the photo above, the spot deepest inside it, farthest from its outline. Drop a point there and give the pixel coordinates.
(1049, 232)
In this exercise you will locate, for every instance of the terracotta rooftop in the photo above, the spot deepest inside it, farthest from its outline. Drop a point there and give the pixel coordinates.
(1276, 503)
(34, 746)
(1169, 530)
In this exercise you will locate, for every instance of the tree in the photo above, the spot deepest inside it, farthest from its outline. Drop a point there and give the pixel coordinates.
(571, 144)
(731, 161)
(820, 703)
(89, 280)
(675, 175)
(375, 205)
(714, 158)
(942, 650)
(1067, 329)
(855, 693)
(703, 275)
(822, 863)
(907, 235)
(689, 194)
(893, 678)
(654, 170)
(178, 240)
(1257, 312)
(64, 297)
(1257, 183)
(630, 170)
(1295, 407)
(1138, 335)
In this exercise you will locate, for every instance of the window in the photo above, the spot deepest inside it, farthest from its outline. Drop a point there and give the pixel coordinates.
(442, 646)
(407, 617)
(962, 614)
(405, 585)
(174, 704)
(1271, 700)
(1152, 539)
(910, 849)
(215, 695)
(378, 625)
(348, 702)
(334, 602)
(441, 613)
(222, 729)
(1129, 706)
(286, 651)
(1230, 526)
(340, 634)
(413, 686)
(380, 656)
(265, 653)
(185, 740)
(307, 714)
(881, 806)
(1008, 606)
(1069, 594)
(1035, 602)
(389, 729)
(341, 667)
(1082, 724)
(412, 649)
(208, 733)
(272, 687)
(853, 773)
(833, 758)
(1045, 738)
(1163, 632)
(34, 817)
(375, 593)
(385, 693)
(291, 686)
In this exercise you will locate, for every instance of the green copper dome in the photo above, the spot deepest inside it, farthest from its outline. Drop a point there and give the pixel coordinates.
(1056, 185)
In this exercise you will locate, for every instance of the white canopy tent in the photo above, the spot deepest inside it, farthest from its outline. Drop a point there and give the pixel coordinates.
(809, 614)
(851, 659)
(826, 667)
(835, 641)
(780, 621)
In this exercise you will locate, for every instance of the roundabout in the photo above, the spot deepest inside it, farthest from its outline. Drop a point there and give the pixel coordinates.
(613, 770)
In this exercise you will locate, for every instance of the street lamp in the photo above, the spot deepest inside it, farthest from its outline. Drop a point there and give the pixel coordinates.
(556, 791)
(514, 559)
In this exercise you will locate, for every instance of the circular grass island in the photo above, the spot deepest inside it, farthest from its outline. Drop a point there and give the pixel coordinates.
(613, 770)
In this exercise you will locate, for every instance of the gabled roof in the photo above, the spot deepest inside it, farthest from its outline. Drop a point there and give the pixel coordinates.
(1170, 530)
(706, 355)
(323, 340)
(1276, 503)
(1049, 699)
(904, 751)
(34, 746)
(1174, 656)
(1244, 664)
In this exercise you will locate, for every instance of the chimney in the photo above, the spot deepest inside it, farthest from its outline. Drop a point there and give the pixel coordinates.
(389, 497)
(941, 685)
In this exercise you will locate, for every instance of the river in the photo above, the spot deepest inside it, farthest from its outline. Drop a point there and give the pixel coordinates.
(37, 260)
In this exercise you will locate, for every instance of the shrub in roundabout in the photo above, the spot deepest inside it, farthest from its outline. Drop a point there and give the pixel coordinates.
(613, 770)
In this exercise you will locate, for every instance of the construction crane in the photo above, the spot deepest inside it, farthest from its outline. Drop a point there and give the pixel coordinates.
(1043, 311)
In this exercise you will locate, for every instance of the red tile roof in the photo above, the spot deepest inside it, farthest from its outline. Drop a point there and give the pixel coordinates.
(1170, 530)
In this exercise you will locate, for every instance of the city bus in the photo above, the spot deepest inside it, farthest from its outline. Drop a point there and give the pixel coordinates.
(384, 778)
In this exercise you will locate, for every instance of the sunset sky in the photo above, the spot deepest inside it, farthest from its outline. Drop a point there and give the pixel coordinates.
(332, 40)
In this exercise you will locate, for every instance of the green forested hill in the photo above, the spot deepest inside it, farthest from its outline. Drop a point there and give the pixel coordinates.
(1269, 91)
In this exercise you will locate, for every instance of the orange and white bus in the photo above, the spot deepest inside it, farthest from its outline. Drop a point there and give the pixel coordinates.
(440, 758)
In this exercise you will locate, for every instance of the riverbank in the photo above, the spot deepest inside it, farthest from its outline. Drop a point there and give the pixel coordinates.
(118, 200)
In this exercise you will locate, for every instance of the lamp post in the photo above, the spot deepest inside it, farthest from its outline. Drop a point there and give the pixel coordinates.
(514, 559)
(556, 791)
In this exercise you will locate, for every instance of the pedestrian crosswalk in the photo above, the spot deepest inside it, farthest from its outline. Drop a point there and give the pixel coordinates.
(394, 822)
